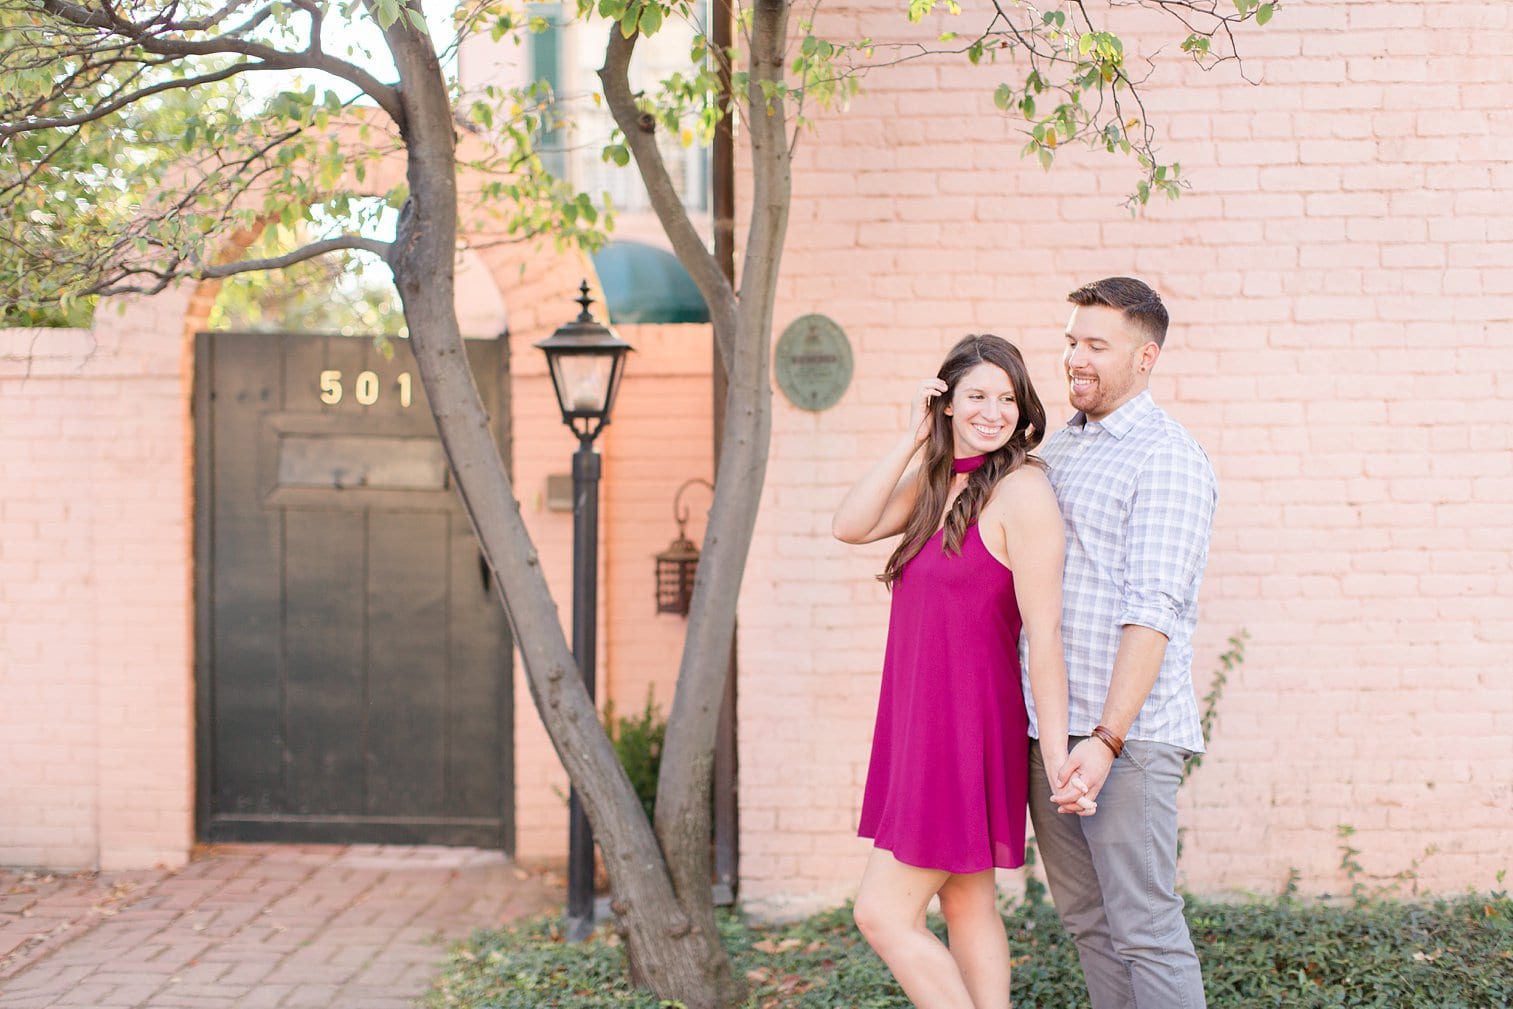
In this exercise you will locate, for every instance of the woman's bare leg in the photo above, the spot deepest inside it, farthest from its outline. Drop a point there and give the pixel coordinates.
(890, 911)
(979, 944)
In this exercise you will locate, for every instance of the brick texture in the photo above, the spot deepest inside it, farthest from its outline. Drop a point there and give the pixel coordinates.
(96, 754)
(1338, 284)
(1340, 287)
(96, 619)
(660, 435)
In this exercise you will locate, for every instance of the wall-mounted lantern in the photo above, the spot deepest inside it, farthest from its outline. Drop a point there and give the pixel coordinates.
(677, 565)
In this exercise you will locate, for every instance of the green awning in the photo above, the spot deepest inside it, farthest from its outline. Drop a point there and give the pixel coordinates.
(643, 283)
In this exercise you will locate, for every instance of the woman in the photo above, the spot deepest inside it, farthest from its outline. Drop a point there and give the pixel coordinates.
(979, 561)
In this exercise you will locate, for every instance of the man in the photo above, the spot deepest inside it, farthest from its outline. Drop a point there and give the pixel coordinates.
(1137, 495)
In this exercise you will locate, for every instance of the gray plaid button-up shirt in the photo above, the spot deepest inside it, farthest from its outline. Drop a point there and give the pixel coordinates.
(1137, 495)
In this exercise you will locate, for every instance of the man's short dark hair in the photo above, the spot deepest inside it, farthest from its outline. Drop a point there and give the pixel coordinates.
(1135, 299)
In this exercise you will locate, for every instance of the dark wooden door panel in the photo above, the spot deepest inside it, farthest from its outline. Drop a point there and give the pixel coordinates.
(354, 666)
(407, 631)
(478, 770)
(324, 693)
(244, 576)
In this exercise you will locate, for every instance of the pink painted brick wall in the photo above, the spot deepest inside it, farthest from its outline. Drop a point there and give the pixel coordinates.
(96, 664)
(96, 748)
(659, 436)
(1340, 285)
(1339, 282)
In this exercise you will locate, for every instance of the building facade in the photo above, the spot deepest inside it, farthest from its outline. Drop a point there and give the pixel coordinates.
(1339, 282)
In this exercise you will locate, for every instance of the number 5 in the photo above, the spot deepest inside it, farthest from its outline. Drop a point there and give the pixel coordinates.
(330, 387)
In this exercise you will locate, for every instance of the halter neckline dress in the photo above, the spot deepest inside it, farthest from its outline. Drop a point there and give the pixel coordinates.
(948, 776)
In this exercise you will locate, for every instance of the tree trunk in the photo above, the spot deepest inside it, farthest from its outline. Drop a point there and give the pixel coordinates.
(683, 797)
(677, 954)
(743, 333)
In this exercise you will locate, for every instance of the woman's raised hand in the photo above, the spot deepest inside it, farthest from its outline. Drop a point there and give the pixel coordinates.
(919, 409)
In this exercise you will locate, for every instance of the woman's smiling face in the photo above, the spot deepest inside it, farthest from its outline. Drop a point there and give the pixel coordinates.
(983, 411)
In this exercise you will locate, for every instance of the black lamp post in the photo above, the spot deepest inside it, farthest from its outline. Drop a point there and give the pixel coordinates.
(586, 361)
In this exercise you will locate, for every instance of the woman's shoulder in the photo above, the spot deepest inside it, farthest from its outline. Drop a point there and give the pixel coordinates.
(1027, 479)
(1024, 492)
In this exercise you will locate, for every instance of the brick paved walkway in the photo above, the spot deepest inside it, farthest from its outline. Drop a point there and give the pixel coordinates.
(255, 927)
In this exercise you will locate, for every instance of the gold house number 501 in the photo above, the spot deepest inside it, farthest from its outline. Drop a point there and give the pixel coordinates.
(364, 388)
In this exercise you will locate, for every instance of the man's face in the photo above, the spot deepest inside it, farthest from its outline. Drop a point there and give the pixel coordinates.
(1107, 360)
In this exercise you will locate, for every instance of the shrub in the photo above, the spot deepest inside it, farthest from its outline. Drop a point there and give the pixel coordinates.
(1446, 954)
(638, 743)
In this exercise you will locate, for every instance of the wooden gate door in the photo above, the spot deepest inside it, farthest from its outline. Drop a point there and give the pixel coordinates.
(353, 663)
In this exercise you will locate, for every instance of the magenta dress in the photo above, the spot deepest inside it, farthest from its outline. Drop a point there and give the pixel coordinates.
(948, 779)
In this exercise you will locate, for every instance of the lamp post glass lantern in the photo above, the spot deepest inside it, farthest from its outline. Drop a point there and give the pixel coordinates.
(586, 360)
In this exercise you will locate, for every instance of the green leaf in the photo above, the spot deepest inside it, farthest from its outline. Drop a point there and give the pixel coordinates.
(1003, 96)
(1264, 13)
(1196, 43)
(651, 19)
(387, 12)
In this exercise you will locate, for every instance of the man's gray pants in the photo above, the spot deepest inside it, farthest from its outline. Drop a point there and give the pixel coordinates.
(1113, 876)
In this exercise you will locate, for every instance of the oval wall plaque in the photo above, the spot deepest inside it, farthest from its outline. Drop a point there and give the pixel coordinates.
(813, 362)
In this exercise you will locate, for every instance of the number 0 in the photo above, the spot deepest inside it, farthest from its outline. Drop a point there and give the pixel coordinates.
(366, 391)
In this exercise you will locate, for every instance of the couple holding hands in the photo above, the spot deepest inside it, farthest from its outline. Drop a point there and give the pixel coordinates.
(1039, 653)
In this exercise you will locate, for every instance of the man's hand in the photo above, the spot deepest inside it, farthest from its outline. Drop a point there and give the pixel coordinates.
(1083, 775)
(1055, 767)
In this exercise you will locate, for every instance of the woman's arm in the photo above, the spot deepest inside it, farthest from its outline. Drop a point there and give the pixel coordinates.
(1035, 542)
(878, 505)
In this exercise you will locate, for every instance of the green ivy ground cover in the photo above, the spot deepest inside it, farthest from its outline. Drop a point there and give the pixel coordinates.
(1445, 954)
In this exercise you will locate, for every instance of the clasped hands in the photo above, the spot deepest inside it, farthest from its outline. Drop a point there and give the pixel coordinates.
(1077, 778)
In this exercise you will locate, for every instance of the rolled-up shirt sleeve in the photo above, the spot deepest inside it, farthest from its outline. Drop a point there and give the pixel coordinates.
(1169, 523)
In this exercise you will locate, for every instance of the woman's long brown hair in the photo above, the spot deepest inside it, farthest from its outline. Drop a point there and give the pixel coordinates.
(936, 470)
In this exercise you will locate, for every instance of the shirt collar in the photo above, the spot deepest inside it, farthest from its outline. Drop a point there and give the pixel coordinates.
(1123, 420)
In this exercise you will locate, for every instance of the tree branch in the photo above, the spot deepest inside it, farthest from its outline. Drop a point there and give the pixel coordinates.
(146, 37)
(640, 136)
(766, 122)
(357, 243)
(122, 101)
